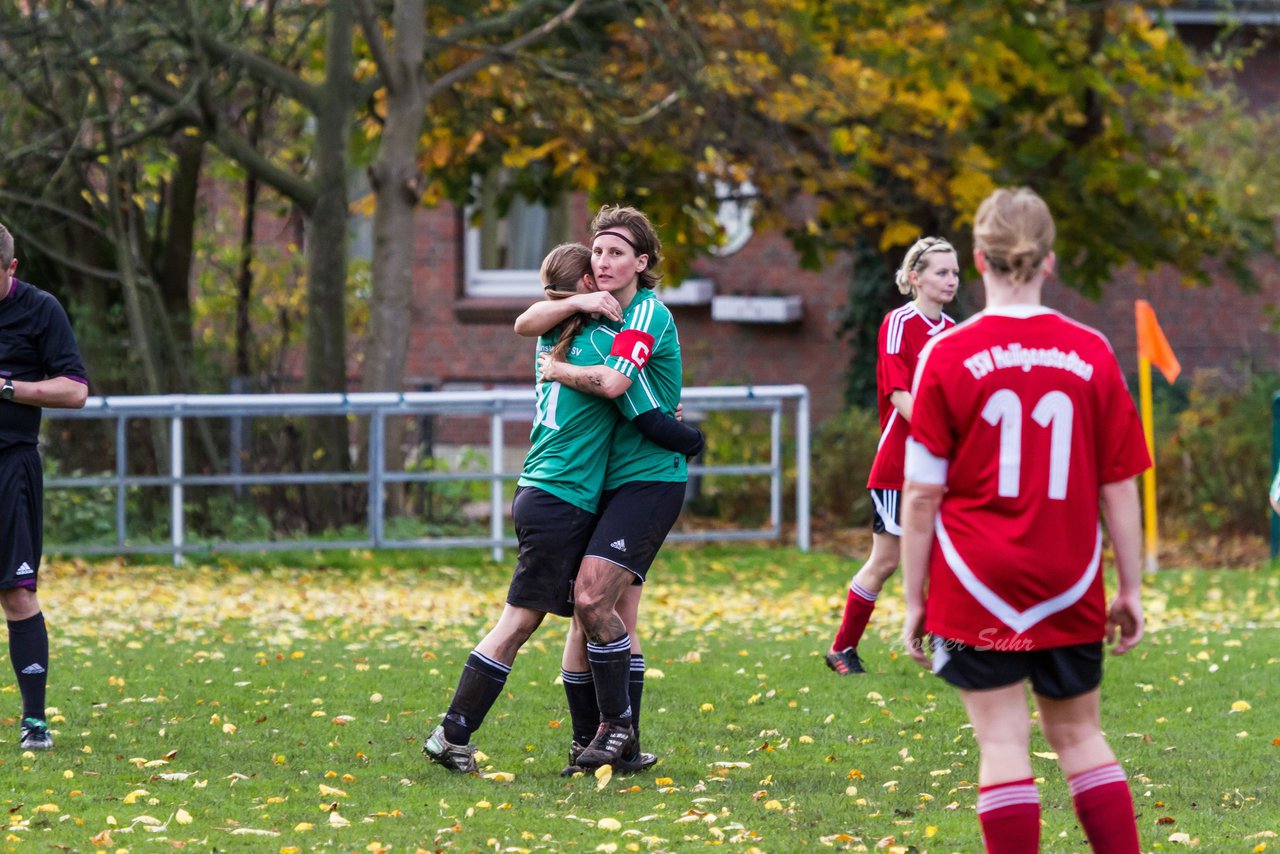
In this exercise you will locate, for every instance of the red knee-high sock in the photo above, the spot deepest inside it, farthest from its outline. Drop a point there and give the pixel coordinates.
(1104, 806)
(857, 613)
(1010, 817)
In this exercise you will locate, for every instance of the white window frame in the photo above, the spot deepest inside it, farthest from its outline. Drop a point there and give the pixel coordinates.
(492, 283)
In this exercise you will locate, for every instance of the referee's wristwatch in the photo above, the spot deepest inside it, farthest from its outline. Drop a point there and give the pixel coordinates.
(6, 390)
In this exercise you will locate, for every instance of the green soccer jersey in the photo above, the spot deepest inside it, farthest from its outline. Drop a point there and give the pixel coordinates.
(571, 433)
(646, 349)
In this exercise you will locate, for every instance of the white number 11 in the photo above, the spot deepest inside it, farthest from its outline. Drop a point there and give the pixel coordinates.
(1055, 411)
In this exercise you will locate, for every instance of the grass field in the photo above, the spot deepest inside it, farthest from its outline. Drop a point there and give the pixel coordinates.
(230, 708)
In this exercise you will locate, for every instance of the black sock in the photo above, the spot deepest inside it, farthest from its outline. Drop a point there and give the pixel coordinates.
(580, 691)
(29, 654)
(636, 690)
(611, 669)
(479, 687)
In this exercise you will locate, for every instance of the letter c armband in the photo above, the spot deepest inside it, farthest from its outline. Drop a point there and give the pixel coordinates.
(634, 346)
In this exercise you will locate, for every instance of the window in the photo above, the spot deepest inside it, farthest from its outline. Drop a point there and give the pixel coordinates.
(734, 215)
(507, 237)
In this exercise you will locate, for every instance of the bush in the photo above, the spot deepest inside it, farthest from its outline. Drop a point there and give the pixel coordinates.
(1213, 467)
(844, 447)
(736, 438)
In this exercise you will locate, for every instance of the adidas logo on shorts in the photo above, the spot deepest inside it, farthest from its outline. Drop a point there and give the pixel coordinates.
(620, 545)
(25, 569)
(33, 669)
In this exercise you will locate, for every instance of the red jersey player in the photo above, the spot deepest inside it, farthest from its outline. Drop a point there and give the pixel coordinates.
(930, 273)
(1022, 424)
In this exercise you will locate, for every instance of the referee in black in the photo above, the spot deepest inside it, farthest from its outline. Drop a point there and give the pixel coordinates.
(40, 366)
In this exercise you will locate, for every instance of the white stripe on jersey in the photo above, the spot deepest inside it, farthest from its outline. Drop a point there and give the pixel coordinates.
(642, 320)
(888, 425)
(643, 316)
(638, 377)
(1019, 621)
(928, 348)
(898, 319)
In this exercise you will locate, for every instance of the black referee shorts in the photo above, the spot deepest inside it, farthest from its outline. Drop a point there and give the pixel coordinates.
(22, 522)
(635, 519)
(553, 535)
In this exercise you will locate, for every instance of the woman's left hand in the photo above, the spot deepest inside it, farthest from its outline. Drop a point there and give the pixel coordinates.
(913, 637)
(548, 368)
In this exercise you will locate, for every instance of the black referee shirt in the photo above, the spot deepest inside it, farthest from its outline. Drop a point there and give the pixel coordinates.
(36, 343)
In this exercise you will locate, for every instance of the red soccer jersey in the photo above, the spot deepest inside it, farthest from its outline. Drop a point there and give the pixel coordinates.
(1031, 412)
(903, 334)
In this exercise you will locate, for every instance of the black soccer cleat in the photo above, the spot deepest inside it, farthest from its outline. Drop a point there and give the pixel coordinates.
(845, 662)
(611, 744)
(639, 761)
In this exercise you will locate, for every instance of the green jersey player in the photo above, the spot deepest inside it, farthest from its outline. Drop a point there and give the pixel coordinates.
(554, 511)
(644, 486)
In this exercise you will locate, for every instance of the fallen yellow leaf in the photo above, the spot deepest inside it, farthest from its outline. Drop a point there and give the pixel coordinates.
(603, 775)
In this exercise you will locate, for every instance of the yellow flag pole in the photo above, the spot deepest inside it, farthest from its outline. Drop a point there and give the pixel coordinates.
(1149, 476)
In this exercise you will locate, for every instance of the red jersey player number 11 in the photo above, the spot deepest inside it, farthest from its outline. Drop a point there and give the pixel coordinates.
(1022, 428)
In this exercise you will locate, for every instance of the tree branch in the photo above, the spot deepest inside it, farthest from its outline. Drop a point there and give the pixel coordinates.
(259, 68)
(377, 44)
(505, 52)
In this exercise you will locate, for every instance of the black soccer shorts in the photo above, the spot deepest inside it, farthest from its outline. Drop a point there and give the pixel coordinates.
(886, 516)
(552, 535)
(1058, 673)
(22, 522)
(635, 519)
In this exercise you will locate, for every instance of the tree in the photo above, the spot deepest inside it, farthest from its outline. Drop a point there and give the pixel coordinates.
(103, 187)
(864, 124)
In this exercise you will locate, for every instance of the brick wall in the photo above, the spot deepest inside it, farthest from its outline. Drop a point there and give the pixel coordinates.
(458, 341)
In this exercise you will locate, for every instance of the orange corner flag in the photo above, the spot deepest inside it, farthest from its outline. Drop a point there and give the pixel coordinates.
(1152, 345)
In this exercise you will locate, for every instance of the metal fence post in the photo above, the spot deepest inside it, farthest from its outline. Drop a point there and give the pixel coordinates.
(377, 467)
(776, 462)
(176, 525)
(122, 469)
(496, 452)
(802, 471)
(1275, 463)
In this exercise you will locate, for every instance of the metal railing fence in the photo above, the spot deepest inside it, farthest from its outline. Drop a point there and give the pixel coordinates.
(499, 406)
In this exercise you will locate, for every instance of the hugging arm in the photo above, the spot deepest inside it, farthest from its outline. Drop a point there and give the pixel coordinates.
(669, 433)
(545, 315)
